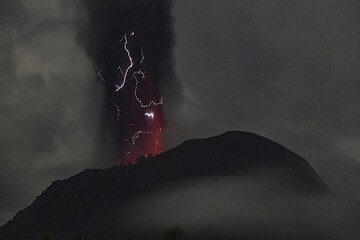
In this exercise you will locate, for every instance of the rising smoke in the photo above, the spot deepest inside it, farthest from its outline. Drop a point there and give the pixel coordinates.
(130, 44)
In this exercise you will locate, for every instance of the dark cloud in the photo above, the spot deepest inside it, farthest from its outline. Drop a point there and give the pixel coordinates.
(287, 70)
(284, 69)
(49, 109)
(145, 25)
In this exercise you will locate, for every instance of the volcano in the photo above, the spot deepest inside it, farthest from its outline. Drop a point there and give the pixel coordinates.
(87, 202)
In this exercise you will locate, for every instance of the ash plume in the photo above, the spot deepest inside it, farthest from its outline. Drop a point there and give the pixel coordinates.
(130, 44)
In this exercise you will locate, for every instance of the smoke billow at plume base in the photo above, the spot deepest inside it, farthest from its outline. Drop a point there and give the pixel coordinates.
(130, 44)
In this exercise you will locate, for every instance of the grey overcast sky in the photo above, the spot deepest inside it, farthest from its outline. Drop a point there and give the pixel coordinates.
(287, 70)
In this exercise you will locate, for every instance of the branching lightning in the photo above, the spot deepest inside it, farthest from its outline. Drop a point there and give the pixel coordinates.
(129, 67)
(136, 136)
(138, 99)
(122, 72)
(136, 76)
(99, 74)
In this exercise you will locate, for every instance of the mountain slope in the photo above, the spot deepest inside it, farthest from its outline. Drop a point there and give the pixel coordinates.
(78, 205)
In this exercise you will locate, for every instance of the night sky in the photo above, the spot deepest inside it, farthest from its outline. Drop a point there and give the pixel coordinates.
(287, 70)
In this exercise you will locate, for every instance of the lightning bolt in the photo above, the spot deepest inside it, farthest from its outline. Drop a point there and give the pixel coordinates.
(150, 115)
(136, 76)
(138, 99)
(136, 136)
(122, 72)
(118, 111)
(142, 56)
(129, 67)
(100, 75)
(143, 76)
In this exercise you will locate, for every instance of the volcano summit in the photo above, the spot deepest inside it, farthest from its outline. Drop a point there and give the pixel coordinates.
(174, 188)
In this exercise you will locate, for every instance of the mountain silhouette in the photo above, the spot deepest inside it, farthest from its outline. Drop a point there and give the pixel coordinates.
(79, 204)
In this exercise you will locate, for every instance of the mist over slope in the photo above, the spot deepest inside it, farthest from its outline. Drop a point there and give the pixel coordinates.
(230, 186)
